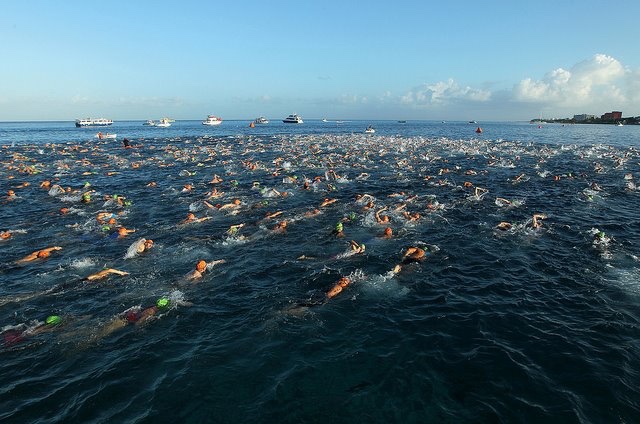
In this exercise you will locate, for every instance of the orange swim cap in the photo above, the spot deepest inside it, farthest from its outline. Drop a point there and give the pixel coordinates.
(201, 266)
(43, 254)
(5, 235)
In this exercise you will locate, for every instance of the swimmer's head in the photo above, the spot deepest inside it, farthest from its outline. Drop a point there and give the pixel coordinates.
(162, 303)
(236, 202)
(363, 247)
(5, 235)
(53, 320)
(352, 216)
(11, 193)
(43, 254)
(600, 234)
(106, 228)
(191, 216)
(148, 244)
(388, 232)
(339, 227)
(201, 266)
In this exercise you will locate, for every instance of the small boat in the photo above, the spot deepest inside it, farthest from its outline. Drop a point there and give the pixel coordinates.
(164, 123)
(293, 119)
(324, 120)
(261, 120)
(93, 122)
(106, 136)
(150, 123)
(402, 122)
(620, 124)
(473, 122)
(212, 120)
(370, 130)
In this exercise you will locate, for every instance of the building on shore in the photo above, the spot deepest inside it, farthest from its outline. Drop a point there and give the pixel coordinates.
(612, 116)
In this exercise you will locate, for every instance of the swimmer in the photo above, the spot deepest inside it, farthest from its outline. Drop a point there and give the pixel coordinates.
(123, 232)
(201, 267)
(38, 254)
(104, 274)
(340, 285)
(536, 220)
(280, 227)
(310, 214)
(191, 218)
(411, 216)
(5, 235)
(144, 245)
(327, 202)
(413, 254)
(504, 226)
(215, 180)
(233, 229)
(388, 233)
(273, 215)
(357, 248)
(14, 336)
(382, 219)
(231, 205)
(338, 230)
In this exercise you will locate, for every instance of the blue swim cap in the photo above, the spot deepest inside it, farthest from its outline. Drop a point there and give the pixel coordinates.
(53, 320)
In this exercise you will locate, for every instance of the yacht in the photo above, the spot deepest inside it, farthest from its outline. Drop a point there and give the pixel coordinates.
(370, 130)
(212, 120)
(293, 119)
(261, 120)
(164, 123)
(91, 122)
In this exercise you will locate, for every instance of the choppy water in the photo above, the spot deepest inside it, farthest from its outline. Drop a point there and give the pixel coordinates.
(523, 325)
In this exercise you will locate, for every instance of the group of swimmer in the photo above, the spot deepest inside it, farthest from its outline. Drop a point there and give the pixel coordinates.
(217, 197)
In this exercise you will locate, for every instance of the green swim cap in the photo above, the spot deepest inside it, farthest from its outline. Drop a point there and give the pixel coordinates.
(352, 216)
(601, 234)
(53, 320)
(105, 228)
(86, 196)
(163, 302)
(87, 184)
(339, 226)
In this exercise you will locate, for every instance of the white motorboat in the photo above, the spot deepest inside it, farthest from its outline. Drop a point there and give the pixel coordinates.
(261, 120)
(150, 123)
(293, 119)
(370, 130)
(93, 122)
(106, 136)
(212, 120)
(164, 123)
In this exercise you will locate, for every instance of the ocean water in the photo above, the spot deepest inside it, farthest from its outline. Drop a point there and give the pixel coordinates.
(519, 325)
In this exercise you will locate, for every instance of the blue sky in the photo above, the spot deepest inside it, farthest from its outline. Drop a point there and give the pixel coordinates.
(457, 60)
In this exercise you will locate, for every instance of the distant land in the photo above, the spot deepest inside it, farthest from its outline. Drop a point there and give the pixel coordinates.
(610, 118)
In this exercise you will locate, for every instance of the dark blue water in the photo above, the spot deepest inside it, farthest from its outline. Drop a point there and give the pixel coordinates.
(523, 325)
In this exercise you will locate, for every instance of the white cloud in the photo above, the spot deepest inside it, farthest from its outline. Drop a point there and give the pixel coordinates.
(592, 81)
(443, 92)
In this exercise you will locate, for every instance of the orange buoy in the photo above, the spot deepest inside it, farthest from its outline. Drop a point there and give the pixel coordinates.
(252, 125)
(479, 130)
